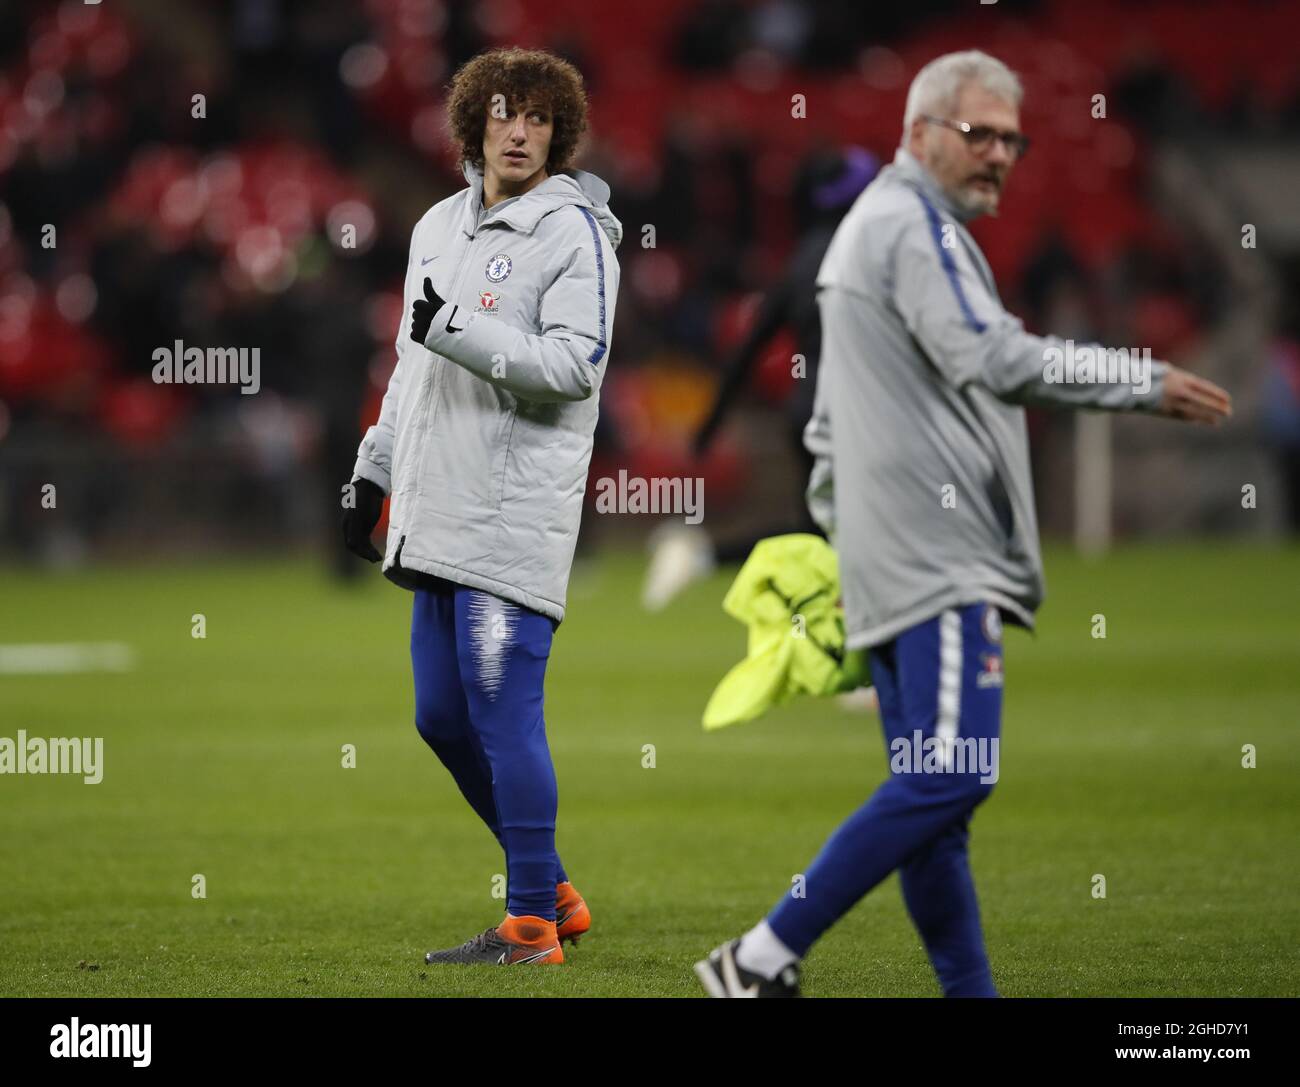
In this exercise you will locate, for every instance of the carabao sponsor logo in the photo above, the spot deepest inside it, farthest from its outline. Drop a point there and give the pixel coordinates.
(990, 673)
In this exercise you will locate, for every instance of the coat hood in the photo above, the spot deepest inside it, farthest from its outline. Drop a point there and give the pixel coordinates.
(524, 212)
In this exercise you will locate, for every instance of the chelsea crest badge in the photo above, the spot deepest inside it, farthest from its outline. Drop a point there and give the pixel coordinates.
(498, 268)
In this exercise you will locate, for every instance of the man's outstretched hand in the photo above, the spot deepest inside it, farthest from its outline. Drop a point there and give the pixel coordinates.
(359, 520)
(1194, 399)
(422, 311)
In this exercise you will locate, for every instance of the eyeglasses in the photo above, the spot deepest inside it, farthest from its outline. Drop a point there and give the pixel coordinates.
(979, 138)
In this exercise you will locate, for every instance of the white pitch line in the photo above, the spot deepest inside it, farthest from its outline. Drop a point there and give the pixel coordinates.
(60, 658)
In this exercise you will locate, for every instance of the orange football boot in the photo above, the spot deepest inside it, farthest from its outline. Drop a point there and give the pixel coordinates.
(572, 917)
(517, 941)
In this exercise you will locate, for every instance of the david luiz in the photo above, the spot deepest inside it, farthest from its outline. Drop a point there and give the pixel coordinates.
(483, 442)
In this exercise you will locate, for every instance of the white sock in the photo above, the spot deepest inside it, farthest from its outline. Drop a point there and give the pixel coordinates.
(762, 952)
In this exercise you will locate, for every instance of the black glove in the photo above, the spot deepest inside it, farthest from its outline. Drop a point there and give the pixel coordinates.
(422, 312)
(359, 521)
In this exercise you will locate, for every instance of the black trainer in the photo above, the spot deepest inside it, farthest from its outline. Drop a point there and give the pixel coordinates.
(722, 976)
(494, 949)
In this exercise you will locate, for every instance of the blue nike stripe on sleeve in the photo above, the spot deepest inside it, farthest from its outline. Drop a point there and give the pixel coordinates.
(950, 266)
(601, 344)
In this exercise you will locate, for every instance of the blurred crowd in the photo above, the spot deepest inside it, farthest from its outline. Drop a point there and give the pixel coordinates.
(247, 173)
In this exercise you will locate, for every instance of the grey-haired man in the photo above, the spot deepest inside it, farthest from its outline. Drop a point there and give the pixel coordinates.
(923, 481)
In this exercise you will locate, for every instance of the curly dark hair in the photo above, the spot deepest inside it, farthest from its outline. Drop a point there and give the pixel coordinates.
(525, 76)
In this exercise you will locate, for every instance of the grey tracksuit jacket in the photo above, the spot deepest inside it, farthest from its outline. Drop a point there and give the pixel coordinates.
(922, 474)
(485, 433)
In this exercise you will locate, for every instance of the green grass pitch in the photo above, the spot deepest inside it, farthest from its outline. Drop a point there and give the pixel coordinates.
(1120, 757)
